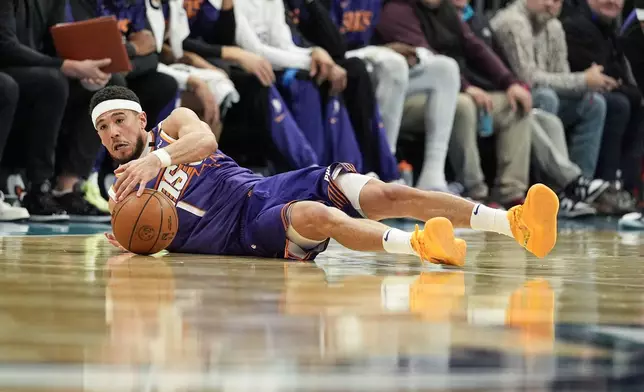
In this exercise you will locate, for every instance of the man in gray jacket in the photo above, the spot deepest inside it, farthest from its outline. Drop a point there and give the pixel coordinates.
(535, 45)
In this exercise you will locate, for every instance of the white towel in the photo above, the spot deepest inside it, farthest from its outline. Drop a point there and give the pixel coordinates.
(218, 82)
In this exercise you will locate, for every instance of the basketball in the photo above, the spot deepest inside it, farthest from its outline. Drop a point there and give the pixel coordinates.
(147, 224)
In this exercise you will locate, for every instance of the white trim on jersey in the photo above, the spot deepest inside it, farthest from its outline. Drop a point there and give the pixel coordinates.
(191, 209)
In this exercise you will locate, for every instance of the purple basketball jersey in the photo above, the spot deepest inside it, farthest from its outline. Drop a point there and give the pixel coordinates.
(356, 19)
(209, 196)
(225, 209)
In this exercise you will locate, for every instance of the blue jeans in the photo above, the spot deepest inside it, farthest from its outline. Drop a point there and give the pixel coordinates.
(623, 137)
(583, 117)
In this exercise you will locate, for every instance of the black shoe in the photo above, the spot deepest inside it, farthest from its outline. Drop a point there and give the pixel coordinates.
(626, 202)
(42, 206)
(570, 207)
(586, 190)
(79, 209)
(615, 201)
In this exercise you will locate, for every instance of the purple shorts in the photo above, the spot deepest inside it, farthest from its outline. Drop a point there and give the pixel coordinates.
(265, 218)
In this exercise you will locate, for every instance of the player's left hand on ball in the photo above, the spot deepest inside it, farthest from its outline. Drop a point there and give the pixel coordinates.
(136, 172)
(110, 237)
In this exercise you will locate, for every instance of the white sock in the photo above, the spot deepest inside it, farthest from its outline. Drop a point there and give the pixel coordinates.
(490, 219)
(398, 242)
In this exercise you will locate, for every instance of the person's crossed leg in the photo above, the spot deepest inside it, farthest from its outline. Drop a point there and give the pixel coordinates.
(533, 225)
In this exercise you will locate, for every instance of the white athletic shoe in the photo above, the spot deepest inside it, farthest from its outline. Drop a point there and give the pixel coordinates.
(631, 221)
(9, 213)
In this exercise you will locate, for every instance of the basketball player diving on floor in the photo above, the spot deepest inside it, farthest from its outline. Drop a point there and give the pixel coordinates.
(224, 209)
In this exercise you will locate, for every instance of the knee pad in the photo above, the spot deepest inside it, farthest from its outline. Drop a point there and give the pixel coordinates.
(351, 185)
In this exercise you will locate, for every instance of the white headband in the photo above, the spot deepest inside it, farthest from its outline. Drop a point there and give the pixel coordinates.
(114, 104)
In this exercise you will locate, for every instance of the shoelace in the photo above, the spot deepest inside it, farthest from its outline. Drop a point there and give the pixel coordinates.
(517, 214)
(582, 189)
(417, 243)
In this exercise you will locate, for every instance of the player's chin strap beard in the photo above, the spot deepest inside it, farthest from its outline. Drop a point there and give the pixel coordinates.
(114, 104)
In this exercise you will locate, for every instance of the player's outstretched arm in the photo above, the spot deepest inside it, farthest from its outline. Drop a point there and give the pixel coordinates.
(194, 138)
(193, 142)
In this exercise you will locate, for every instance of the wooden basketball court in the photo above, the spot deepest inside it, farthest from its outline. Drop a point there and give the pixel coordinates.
(75, 315)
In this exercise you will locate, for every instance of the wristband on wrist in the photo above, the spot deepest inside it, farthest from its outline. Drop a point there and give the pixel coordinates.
(164, 157)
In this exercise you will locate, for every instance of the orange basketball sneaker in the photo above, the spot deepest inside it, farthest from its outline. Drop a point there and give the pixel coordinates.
(436, 243)
(534, 224)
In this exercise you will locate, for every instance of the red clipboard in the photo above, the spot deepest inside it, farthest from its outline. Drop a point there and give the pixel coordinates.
(92, 39)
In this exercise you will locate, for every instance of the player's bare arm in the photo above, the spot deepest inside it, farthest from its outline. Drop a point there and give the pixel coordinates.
(307, 208)
(194, 138)
(194, 141)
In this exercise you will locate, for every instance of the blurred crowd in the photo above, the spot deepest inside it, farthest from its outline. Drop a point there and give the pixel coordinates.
(441, 95)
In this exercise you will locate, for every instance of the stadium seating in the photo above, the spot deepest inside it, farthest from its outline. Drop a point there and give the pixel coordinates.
(231, 64)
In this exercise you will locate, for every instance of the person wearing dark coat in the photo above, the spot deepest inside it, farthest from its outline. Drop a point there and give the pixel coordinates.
(436, 26)
(591, 37)
(46, 83)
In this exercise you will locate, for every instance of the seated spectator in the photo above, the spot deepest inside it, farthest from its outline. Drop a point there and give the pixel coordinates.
(156, 90)
(535, 45)
(311, 25)
(591, 35)
(435, 25)
(631, 41)
(271, 130)
(261, 31)
(549, 149)
(399, 71)
(9, 93)
(27, 55)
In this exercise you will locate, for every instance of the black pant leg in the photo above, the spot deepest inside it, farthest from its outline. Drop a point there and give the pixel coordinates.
(157, 93)
(9, 93)
(41, 106)
(78, 144)
(618, 113)
(246, 133)
(633, 141)
(360, 103)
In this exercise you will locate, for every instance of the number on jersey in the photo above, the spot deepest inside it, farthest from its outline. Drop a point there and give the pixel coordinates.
(174, 180)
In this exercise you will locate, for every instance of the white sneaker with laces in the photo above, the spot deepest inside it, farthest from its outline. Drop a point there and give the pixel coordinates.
(9, 213)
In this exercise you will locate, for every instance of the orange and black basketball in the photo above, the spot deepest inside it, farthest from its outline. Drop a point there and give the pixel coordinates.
(146, 224)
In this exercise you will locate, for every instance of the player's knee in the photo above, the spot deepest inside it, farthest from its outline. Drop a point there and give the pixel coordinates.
(314, 220)
(391, 193)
